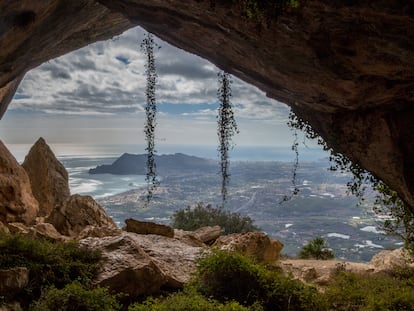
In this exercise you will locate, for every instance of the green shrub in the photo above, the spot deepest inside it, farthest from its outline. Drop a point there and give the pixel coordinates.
(316, 249)
(50, 263)
(186, 301)
(76, 297)
(231, 276)
(201, 216)
(351, 291)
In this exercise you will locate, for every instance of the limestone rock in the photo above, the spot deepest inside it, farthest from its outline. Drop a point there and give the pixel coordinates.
(188, 238)
(125, 266)
(11, 306)
(18, 227)
(17, 202)
(389, 260)
(77, 213)
(208, 234)
(142, 264)
(4, 229)
(47, 231)
(176, 259)
(13, 280)
(145, 227)
(48, 177)
(255, 244)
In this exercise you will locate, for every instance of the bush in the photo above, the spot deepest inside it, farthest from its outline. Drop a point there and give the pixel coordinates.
(188, 300)
(201, 216)
(75, 297)
(231, 276)
(316, 249)
(50, 263)
(351, 291)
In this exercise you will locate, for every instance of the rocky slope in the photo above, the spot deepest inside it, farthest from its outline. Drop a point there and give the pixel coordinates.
(347, 67)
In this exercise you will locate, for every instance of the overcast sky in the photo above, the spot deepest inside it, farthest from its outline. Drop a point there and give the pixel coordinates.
(96, 95)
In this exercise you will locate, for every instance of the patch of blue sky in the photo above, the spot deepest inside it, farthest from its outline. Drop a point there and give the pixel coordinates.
(21, 96)
(179, 109)
(123, 59)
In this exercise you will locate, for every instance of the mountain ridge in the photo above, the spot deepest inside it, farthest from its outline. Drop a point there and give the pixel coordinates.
(132, 164)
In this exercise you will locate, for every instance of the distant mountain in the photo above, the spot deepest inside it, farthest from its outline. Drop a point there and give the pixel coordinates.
(166, 163)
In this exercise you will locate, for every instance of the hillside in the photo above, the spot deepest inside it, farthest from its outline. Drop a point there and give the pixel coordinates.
(129, 164)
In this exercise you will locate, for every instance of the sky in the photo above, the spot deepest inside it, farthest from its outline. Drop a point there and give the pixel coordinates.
(96, 95)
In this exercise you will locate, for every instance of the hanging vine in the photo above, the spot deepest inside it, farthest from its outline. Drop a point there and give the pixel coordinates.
(226, 128)
(147, 46)
(400, 221)
(295, 149)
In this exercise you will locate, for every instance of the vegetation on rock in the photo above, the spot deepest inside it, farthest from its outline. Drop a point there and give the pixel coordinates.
(49, 263)
(232, 276)
(205, 215)
(316, 249)
(189, 299)
(351, 291)
(74, 297)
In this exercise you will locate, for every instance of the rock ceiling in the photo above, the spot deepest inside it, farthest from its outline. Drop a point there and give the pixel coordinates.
(347, 67)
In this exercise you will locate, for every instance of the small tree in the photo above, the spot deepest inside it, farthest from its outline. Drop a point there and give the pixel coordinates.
(316, 249)
(147, 46)
(226, 128)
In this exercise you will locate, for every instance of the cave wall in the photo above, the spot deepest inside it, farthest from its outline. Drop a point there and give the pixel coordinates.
(345, 66)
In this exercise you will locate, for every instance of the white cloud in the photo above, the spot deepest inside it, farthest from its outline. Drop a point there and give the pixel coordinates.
(108, 79)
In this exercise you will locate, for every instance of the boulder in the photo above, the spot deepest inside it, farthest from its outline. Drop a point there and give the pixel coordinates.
(253, 244)
(17, 202)
(388, 260)
(78, 213)
(145, 227)
(48, 177)
(142, 264)
(4, 229)
(175, 259)
(125, 266)
(13, 280)
(47, 231)
(208, 234)
(18, 227)
(188, 238)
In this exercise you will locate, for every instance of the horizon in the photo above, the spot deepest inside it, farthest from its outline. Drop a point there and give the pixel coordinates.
(238, 153)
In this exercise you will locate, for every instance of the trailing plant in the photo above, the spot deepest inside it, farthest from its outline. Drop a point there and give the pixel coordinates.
(147, 46)
(400, 220)
(226, 129)
(316, 249)
(205, 215)
(295, 149)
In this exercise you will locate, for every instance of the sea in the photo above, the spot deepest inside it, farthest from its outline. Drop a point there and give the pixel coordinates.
(78, 159)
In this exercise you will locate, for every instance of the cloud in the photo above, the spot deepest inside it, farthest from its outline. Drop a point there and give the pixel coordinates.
(108, 78)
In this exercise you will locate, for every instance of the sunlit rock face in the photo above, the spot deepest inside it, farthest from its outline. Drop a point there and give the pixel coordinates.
(345, 66)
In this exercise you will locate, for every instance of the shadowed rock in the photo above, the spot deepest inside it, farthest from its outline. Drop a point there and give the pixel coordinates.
(78, 213)
(17, 203)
